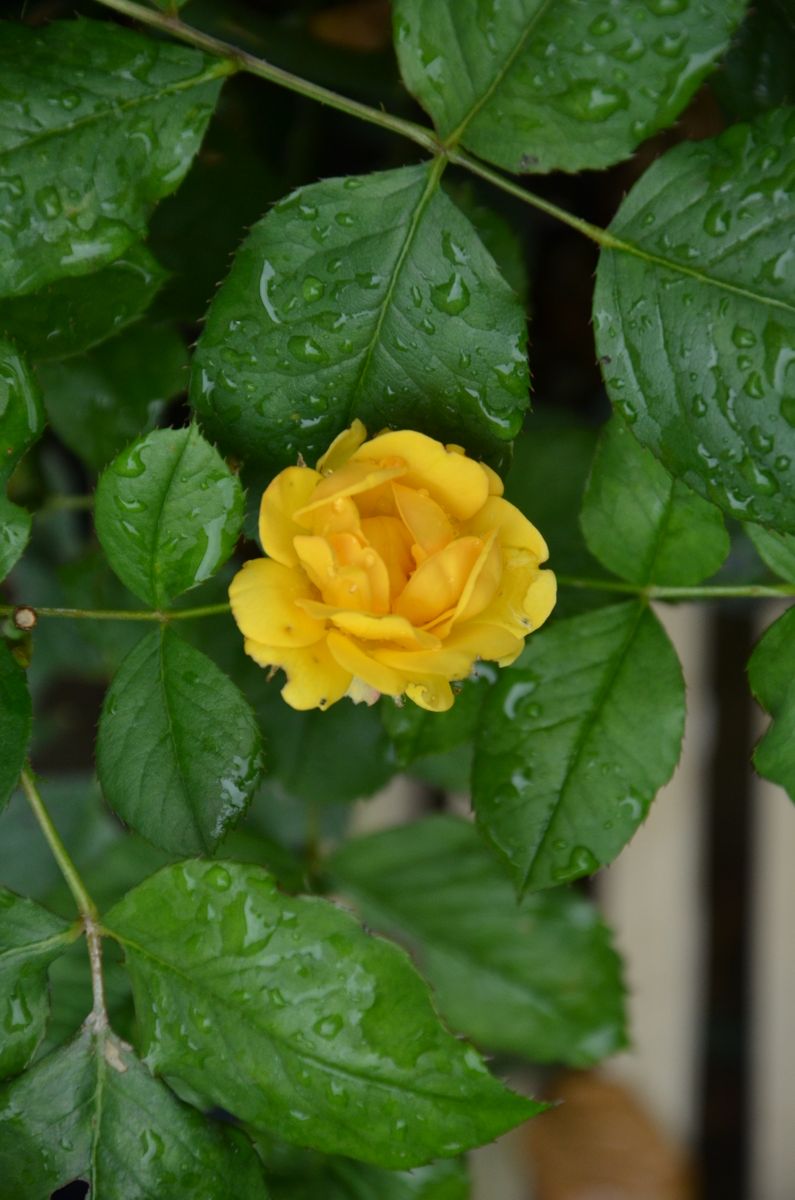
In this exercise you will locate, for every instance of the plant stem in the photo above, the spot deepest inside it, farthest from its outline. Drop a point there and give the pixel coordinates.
(118, 614)
(65, 504)
(86, 906)
(716, 591)
(244, 61)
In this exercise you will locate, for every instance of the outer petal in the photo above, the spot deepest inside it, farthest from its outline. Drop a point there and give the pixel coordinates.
(289, 491)
(314, 678)
(526, 596)
(457, 483)
(263, 596)
(433, 693)
(361, 665)
(513, 528)
(354, 479)
(370, 628)
(342, 448)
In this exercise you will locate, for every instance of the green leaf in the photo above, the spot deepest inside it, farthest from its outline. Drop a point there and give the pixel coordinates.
(168, 513)
(644, 525)
(178, 749)
(21, 424)
(538, 978)
(91, 1110)
(74, 314)
(757, 72)
(502, 241)
(771, 671)
(303, 1176)
(537, 86)
(109, 123)
(16, 720)
(30, 938)
(716, 406)
(99, 402)
(285, 1013)
(367, 297)
(576, 740)
(777, 550)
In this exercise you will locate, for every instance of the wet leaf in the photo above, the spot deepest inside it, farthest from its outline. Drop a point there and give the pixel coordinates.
(538, 978)
(21, 424)
(30, 939)
(575, 741)
(777, 550)
(285, 1013)
(16, 720)
(100, 401)
(695, 313)
(73, 314)
(168, 513)
(367, 297)
(771, 671)
(536, 86)
(91, 1110)
(178, 751)
(641, 523)
(108, 123)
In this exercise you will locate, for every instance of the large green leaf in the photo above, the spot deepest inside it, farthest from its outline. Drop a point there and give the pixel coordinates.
(575, 741)
(538, 978)
(178, 749)
(91, 1110)
(771, 671)
(644, 525)
(97, 123)
(777, 550)
(15, 722)
(536, 85)
(695, 316)
(367, 297)
(100, 401)
(285, 1013)
(30, 938)
(74, 314)
(168, 513)
(21, 423)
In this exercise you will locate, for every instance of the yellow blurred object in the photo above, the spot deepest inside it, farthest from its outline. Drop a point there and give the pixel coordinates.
(363, 25)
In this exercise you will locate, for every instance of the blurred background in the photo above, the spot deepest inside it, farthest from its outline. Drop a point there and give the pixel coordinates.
(703, 1105)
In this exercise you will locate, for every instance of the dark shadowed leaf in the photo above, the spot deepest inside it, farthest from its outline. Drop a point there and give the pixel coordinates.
(771, 671)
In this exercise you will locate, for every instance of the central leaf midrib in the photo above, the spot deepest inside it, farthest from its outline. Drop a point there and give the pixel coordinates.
(163, 633)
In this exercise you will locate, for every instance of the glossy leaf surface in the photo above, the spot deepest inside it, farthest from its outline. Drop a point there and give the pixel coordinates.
(78, 312)
(21, 424)
(30, 938)
(15, 722)
(178, 750)
(100, 401)
(285, 1013)
(642, 523)
(718, 408)
(367, 297)
(538, 978)
(91, 1110)
(575, 741)
(110, 123)
(534, 85)
(777, 550)
(168, 513)
(771, 671)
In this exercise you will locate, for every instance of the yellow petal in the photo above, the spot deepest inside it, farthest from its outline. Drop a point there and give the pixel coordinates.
(390, 628)
(339, 515)
(391, 540)
(433, 693)
(347, 574)
(483, 582)
(449, 661)
(496, 486)
(454, 481)
(425, 520)
(363, 666)
(483, 640)
(342, 448)
(438, 582)
(354, 479)
(513, 528)
(289, 491)
(540, 598)
(263, 596)
(314, 678)
(526, 595)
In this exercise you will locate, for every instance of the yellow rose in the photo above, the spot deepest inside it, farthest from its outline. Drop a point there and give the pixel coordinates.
(391, 569)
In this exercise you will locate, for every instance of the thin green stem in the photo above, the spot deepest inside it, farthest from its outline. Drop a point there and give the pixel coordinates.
(111, 614)
(718, 591)
(68, 869)
(245, 61)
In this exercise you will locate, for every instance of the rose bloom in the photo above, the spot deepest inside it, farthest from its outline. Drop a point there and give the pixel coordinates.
(391, 569)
